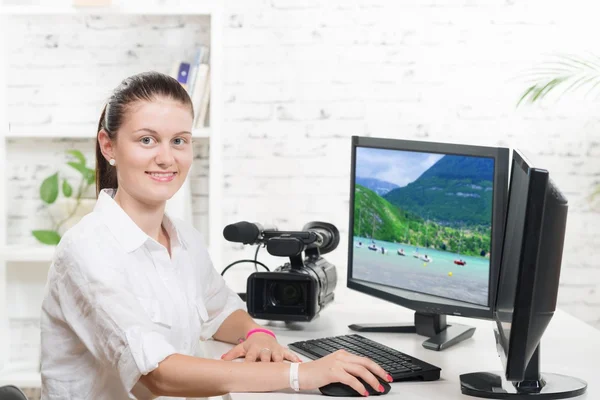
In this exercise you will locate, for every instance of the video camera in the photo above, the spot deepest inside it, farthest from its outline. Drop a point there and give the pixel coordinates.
(295, 291)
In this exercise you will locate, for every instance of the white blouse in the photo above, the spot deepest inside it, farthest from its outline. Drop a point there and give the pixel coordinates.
(116, 304)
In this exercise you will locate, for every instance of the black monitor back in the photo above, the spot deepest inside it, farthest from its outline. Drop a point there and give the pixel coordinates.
(527, 291)
(531, 264)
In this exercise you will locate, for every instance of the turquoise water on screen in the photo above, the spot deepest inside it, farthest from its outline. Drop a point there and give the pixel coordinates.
(440, 276)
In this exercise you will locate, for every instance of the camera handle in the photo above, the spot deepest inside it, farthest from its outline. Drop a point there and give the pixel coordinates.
(296, 261)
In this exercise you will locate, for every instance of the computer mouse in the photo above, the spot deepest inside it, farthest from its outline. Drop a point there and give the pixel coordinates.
(338, 389)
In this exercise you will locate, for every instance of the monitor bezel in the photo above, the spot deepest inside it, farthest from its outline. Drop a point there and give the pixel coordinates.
(499, 205)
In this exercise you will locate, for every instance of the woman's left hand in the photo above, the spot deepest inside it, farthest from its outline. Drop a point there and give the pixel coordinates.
(261, 347)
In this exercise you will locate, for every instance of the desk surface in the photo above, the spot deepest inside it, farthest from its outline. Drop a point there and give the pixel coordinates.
(569, 347)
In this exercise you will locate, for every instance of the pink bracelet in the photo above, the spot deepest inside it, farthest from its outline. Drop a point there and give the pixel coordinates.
(259, 330)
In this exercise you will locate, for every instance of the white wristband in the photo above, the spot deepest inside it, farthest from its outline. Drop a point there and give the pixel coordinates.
(294, 380)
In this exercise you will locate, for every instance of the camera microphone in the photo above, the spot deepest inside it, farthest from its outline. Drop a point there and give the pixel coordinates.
(246, 232)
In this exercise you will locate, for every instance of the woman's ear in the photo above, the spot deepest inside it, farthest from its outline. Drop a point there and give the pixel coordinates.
(106, 145)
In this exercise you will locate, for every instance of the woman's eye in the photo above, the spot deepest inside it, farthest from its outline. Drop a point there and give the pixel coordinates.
(179, 141)
(146, 140)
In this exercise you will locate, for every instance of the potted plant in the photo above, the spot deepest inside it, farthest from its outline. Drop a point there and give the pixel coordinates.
(70, 206)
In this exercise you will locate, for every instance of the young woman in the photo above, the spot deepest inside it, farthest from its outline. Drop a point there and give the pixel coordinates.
(131, 291)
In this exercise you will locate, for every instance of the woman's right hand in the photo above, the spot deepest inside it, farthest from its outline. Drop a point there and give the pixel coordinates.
(343, 367)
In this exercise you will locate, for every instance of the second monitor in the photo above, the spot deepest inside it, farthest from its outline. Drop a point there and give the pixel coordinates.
(527, 291)
(426, 231)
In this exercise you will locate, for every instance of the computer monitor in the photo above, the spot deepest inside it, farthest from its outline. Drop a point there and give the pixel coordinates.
(527, 290)
(426, 231)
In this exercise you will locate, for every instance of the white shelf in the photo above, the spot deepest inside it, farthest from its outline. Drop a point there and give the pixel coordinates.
(20, 253)
(79, 133)
(21, 379)
(201, 133)
(201, 9)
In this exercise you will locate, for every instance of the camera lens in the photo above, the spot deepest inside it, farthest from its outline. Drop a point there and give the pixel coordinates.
(286, 294)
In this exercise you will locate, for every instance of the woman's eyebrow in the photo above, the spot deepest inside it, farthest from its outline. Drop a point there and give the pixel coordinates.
(156, 133)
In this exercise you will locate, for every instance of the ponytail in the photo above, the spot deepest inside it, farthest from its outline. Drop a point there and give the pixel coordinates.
(106, 174)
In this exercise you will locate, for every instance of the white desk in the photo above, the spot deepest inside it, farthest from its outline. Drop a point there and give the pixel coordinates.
(569, 347)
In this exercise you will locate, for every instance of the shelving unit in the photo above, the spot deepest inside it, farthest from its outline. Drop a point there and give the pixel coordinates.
(20, 253)
(21, 379)
(204, 8)
(22, 374)
(83, 133)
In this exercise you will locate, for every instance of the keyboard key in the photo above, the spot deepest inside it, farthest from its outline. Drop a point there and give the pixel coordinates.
(317, 350)
(398, 370)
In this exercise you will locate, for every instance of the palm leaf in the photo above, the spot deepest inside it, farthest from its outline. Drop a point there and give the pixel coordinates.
(595, 193)
(568, 72)
(527, 92)
(593, 87)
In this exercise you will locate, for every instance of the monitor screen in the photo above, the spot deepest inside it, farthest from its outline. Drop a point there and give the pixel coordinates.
(422, 222)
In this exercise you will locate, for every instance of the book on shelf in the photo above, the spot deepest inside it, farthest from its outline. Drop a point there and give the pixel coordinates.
(194, 76)
(183, 74)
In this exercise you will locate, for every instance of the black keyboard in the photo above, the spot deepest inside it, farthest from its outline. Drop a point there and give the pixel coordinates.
(401, 366)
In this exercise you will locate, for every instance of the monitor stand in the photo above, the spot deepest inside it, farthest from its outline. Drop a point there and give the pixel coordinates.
(493, 385)
(441, 336)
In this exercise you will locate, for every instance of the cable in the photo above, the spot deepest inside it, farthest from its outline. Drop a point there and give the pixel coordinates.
(256, 257)
(243, 261)
(243, 296)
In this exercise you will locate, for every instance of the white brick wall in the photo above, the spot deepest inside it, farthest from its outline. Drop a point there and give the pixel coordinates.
(302, 76)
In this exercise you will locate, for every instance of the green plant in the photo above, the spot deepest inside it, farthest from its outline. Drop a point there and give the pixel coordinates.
(565, 71)
(49, 192)
(569, 73)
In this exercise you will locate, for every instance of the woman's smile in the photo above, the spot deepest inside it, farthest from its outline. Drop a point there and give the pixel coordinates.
(162, 176)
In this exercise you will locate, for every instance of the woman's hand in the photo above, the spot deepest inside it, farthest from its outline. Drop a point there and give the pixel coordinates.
(261, 347)
(343, 367)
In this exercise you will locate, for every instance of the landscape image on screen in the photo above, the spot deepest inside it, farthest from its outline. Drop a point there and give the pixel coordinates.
(422, 222)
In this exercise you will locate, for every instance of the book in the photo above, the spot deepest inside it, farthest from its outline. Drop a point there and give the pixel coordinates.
(194, 76)
(199, 93)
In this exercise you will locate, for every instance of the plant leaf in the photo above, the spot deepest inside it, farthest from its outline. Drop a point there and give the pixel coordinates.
(78, 155)
(47, 237)
(595, 193)
(593, 86)
(568, 69)
(580, 62)
(584, 82)
(527, 92)
(547, 88)
(49, 189)
(91, 176)
(67, 189)
(79, 167)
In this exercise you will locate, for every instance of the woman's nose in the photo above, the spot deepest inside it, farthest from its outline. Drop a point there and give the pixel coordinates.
(165, 155)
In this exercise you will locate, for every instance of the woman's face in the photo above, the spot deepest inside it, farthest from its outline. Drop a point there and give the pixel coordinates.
(153, 149)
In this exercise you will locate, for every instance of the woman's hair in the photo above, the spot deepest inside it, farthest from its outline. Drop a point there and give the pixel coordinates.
(146, 86)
